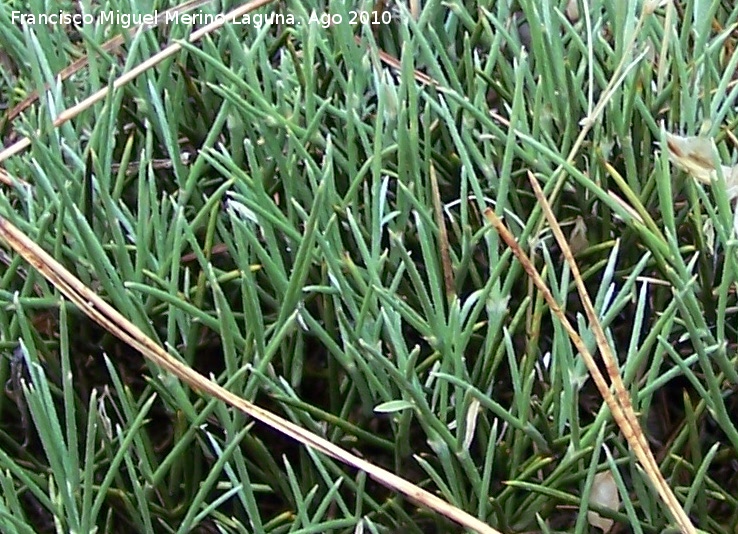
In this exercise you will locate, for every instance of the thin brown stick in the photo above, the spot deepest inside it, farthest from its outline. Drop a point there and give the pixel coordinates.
(448, 270)
(169, 51)
(10, 180)
(108, 46)
(122, 80)
(630, 426)
(114, 322)
(620, 407)
(392, 61)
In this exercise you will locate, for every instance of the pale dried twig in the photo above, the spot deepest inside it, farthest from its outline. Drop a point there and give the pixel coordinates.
(108, 46)
(114, 322)
(154, 60)
(620, 405)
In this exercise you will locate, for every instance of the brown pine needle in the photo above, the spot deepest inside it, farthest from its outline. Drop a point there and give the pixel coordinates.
(154, 60)
(110, 46)
(620, 406)
(443, 245)
(114, 322)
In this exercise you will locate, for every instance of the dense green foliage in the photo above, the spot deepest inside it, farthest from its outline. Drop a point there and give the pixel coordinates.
(280, 208)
